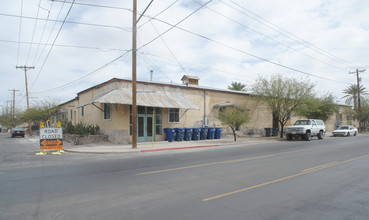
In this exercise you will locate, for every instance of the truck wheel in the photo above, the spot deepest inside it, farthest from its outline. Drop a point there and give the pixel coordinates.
(308, 136)
(320, 135)
(289, 137)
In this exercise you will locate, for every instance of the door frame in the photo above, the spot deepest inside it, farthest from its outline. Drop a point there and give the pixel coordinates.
(146, 118)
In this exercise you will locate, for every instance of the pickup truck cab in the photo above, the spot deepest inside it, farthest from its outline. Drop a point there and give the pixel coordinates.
(306, 129)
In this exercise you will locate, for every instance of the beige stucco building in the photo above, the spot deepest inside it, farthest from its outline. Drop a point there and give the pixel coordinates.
(163, 105)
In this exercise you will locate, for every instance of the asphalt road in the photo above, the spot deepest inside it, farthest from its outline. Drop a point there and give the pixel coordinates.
(320, 179)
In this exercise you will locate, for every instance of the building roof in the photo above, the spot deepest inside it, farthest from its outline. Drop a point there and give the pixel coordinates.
(146, 98)
(171, 84)
(190, 77)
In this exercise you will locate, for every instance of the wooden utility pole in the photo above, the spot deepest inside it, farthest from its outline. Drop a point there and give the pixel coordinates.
(358, 95)
(13, 107)
(25, 68)
(134, 71)
(134, 84)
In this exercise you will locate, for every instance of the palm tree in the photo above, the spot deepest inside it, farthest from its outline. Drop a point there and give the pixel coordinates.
(351, 94)
(237, 86)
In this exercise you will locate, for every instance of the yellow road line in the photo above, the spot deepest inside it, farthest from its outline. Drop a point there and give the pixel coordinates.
(321, 167)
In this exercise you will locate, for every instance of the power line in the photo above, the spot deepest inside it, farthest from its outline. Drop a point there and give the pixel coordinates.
(43, 49)
(160, 13)
(89, 75)
(166, 45)
(68, 22)
(273, 39)
(66, 45)
(33, 33)
(236, 49)
(47, 56)
(43, 31)
(20, 30)
(287, 33)
(176, 25)
(94, 5)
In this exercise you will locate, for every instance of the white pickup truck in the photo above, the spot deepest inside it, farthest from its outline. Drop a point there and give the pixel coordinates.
(306, 129)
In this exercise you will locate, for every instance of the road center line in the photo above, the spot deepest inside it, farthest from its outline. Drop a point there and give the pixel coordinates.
(313, 169)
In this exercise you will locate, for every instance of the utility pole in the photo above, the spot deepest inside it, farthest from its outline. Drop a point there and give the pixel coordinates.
(7, 107)
(25, 68)
(134, 71)
(358, 95)
(13, 107)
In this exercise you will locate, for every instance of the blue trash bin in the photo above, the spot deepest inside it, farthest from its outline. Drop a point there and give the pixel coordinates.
(218, 133)
(179, 134)
(211, 133)
(166, 133)
(203, 133)
(188, 134)
(196, 134)
(169, 134)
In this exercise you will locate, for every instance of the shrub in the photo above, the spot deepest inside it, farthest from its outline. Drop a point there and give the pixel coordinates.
(80, 128)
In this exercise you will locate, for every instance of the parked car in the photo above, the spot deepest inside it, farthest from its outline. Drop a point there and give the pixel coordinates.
(18, 132)
(306, 129)
(345, 130)
(4, 129)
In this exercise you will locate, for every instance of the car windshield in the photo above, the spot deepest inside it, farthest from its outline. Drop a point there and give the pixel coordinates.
(343, 128)
(303, 122)
(17, 129)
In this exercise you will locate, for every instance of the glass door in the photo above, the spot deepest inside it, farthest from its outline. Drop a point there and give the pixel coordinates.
(140, 127)
(144, 127)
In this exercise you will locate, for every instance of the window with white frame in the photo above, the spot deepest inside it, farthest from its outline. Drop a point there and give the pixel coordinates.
(173, 115)
(107, 111)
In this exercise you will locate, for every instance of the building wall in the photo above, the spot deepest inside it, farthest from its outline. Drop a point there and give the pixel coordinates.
(205, 99)
(71, 108)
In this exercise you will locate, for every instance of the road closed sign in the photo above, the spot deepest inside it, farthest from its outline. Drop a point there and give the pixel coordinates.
(51, 138)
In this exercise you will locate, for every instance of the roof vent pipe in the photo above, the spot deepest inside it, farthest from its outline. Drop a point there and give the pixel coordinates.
(151, 74)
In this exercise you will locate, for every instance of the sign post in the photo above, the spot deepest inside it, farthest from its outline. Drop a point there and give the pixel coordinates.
(51, 138)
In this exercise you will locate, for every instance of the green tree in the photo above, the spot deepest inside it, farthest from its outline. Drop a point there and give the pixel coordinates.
(318, 108)
(233, 117)
(41, 112)
(6, 120)
(364, 114)
(282, 95)
(237, 86)
(351, 94)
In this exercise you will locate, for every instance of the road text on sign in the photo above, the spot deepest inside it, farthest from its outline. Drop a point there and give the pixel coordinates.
(51, 133)
(51, 138)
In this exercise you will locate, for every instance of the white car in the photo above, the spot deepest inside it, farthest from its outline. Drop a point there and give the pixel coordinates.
(345, 130)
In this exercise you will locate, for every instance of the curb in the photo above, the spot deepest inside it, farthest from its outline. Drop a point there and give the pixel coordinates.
(177, 148)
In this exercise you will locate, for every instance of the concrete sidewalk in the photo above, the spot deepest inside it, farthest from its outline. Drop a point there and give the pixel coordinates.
(104, 148)
(111, 148)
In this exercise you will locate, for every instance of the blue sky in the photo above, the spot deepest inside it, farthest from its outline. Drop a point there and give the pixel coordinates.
(225, 41)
